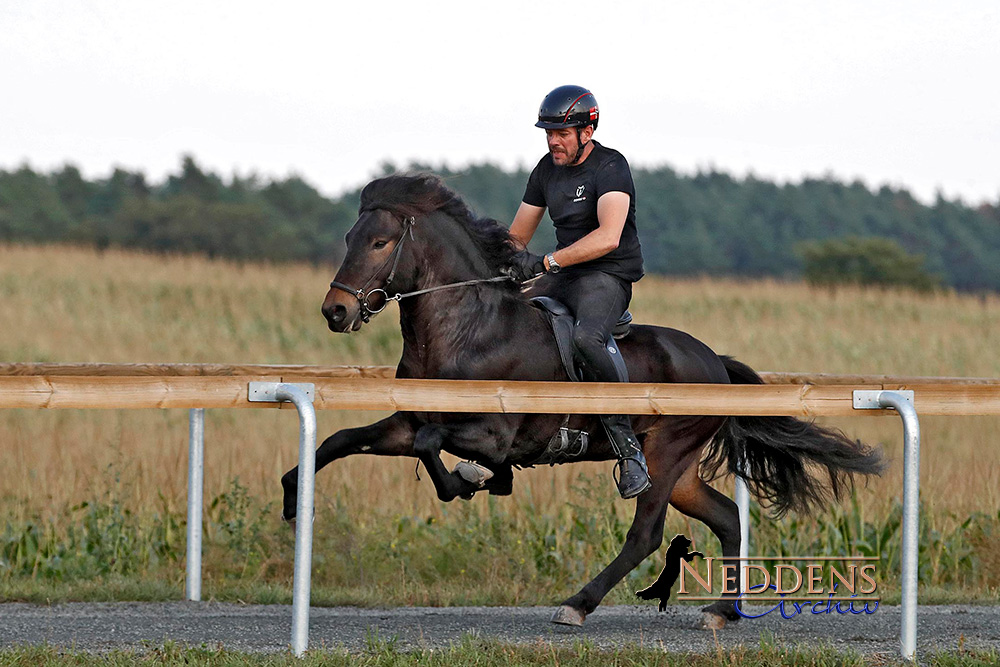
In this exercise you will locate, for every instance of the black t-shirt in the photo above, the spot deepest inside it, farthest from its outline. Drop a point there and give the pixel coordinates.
(571, 194)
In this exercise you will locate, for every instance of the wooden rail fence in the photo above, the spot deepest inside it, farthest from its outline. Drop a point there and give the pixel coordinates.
(130, 386)
(198, 386)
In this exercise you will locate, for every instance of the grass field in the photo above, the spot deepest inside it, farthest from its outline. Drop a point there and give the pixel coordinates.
(92, 502)
(484, 653)
(477, 652)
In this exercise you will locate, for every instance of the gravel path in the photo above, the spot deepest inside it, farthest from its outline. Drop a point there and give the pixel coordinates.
(105, 626)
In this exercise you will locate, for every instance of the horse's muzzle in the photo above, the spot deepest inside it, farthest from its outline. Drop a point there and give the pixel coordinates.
(341, 318)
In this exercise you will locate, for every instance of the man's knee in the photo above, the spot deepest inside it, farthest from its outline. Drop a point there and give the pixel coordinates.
(588, 342)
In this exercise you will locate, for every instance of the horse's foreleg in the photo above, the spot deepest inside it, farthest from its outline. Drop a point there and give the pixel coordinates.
(693, 497)
(392, 436)
(427, 445)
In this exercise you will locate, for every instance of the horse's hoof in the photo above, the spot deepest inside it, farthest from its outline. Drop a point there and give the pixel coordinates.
(566, 615)
(711, 621)
(473, 473)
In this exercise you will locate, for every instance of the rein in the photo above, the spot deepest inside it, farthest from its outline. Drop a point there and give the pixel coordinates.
(363, 296)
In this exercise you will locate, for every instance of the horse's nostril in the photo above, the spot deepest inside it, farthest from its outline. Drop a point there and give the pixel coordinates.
(335, 314)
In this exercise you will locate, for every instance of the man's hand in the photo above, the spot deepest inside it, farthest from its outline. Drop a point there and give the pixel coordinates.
(526, 265)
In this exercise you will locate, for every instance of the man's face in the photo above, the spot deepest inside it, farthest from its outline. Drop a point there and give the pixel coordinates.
(563, 144)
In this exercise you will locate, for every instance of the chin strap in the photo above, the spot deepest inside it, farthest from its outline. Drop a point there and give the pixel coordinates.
(579, 149)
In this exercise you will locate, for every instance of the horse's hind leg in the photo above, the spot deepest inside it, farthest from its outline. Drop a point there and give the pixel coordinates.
(392, 436)
(646, 533)
(644, 538)
(693, 497)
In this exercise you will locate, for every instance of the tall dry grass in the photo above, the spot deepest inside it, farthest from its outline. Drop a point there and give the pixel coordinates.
(74, 305)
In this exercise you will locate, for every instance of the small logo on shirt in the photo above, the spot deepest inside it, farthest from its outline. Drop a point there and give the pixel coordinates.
(579, 193)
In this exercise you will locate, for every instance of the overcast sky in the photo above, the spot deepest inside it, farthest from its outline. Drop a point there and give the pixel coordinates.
(904, 93)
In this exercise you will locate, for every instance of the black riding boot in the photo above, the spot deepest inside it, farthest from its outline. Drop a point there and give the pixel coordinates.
(633, 476)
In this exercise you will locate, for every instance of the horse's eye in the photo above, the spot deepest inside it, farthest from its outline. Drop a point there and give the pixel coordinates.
(378, 245)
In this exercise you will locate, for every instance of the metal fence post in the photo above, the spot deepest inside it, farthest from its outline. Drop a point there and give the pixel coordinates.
(742, 498)
(196, 486)
(902, 402)
(301, 395)
(911, 517)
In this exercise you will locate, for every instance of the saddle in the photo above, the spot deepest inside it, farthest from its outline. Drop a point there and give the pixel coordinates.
(561, 320)
(569, 444)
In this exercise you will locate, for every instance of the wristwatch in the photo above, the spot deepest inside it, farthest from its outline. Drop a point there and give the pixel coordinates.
(553, 264)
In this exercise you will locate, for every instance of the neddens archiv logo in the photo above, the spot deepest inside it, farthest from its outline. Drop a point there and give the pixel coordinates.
(788, 585)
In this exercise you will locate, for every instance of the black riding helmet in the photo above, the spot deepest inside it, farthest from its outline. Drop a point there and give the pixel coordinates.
(568, 106)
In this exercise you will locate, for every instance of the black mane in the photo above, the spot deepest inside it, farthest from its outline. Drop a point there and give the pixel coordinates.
(420, 194)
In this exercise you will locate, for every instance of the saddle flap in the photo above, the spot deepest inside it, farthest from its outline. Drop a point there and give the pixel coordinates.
(561, 319)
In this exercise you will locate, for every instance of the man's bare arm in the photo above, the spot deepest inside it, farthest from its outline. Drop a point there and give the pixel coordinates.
(525, 223)
(612, 210)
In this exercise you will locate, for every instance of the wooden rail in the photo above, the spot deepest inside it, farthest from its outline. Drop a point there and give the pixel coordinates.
(355, 392)
(193, 370)
(230, 370)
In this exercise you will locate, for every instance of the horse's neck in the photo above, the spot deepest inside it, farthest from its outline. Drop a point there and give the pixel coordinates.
(450, 252)
(446, 318)
(445, 333)
(437, 317)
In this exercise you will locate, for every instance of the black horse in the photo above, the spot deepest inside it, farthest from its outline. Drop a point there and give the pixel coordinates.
(413, 236)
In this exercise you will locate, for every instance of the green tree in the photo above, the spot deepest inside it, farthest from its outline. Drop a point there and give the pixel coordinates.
(865, 261)
(31, 209)
(709, 223)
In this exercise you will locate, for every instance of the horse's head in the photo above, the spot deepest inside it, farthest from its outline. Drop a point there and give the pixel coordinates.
(374, 253)
(385, 257)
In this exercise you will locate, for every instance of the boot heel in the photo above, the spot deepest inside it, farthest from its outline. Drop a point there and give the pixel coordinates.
(631, 478)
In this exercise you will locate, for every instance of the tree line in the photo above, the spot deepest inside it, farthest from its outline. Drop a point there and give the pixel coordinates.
(709, 223)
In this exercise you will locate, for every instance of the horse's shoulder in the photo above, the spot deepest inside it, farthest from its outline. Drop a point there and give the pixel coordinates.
(405, 369)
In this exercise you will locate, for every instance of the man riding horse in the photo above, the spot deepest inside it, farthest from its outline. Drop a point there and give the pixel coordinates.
(589, 193)
(417, 243)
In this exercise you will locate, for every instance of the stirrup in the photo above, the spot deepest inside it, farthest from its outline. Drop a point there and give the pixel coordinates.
(616, 476)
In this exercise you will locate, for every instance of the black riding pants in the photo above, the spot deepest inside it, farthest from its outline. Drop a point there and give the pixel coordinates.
(597, 300)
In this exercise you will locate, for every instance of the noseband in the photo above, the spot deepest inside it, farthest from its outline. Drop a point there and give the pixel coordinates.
(364, 294)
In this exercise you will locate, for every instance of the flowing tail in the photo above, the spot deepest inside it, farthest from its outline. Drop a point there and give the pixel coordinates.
(774, 452)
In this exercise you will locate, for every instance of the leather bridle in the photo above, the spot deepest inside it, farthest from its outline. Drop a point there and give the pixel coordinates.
(364, 294)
